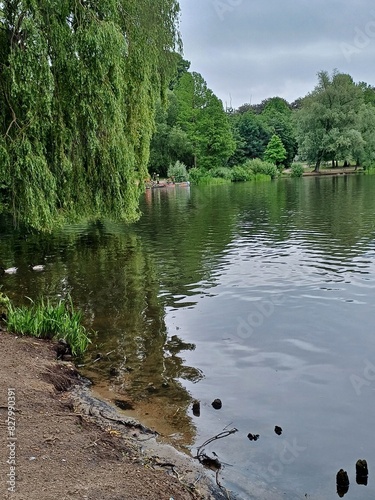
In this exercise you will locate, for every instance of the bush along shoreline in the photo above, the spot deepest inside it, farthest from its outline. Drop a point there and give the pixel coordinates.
(45, 319)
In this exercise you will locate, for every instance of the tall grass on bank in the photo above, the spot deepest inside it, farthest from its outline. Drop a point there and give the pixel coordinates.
(46, 320)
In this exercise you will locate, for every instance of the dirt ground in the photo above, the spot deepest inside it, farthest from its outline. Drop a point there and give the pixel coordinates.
(58, 452)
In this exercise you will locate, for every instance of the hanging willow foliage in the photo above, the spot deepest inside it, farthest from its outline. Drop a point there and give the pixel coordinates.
(79, 80)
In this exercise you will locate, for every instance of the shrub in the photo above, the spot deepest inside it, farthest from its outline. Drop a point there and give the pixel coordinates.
(221, 173)
(242, 174)
(178, 172)
(297, 170)
(259, 166)
(47, 321)
(203, 176)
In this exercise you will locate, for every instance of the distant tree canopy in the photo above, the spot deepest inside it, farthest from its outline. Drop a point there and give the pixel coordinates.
(329, 122)
(79, 85)
(192, 128)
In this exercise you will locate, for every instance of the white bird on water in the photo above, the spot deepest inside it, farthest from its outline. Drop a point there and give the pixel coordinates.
(10, 270)
(39, 267)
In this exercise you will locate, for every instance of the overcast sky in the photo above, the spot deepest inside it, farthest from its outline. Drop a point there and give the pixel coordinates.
(249, 50)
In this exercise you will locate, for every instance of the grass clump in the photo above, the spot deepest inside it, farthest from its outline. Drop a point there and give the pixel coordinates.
(46, 320)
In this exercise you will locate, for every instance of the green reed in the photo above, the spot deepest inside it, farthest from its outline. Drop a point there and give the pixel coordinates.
(47, 320)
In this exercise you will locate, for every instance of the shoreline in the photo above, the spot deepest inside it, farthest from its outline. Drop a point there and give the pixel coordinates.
(69, 444)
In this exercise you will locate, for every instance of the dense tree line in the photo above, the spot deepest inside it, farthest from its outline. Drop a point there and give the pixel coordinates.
(333, 123)
(79, 83)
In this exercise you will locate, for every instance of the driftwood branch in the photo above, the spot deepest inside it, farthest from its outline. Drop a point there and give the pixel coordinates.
(214, 463)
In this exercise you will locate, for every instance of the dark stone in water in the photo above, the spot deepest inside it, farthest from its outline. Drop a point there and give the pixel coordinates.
(342, 490)
(196, 408)
(342, 478)
(124, 405)
(361, 468)
(278, 430)
(217, 404)
(342, 482)
(253, 437)
(362, 480)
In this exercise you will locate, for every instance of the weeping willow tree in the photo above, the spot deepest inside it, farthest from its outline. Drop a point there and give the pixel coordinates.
(79, 82)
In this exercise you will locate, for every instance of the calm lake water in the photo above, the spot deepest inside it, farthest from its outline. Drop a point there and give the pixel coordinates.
(262, 295)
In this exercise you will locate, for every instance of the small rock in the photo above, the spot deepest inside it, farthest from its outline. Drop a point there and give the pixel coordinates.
(363, 480)
(217, 404)
(278, 430)
(124, 405)
(253, 437)
(361, 468)
(196, 408)
(342, 478)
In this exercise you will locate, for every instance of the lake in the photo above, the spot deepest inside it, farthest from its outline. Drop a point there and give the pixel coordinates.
(260, 294)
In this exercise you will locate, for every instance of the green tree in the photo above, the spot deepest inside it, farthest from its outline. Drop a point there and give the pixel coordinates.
(79, 82)
(275, 151)
(252, 136)
(169, 143)
(202, 117)
(328, 122)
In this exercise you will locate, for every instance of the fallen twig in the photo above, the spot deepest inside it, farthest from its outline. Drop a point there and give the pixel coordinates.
(214, 438)
(214, 463)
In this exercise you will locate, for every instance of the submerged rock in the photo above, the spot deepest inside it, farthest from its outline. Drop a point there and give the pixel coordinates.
(278, 430)
(342, 478)
(217, 404)
(196, 408)
(342, 482)
(253, 437)
(362, 472)
(124, 405)
(361, 468)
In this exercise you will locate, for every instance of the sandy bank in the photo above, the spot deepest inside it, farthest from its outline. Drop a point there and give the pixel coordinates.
(67, 445)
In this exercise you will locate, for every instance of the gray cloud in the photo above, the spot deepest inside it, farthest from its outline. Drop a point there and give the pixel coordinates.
(254, 49)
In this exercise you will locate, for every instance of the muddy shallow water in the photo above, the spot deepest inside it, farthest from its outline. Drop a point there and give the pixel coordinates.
(261, 295)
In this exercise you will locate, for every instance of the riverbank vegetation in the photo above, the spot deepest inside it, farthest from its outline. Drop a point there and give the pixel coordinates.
(95, 98)
(46, 320)
(332, 126)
